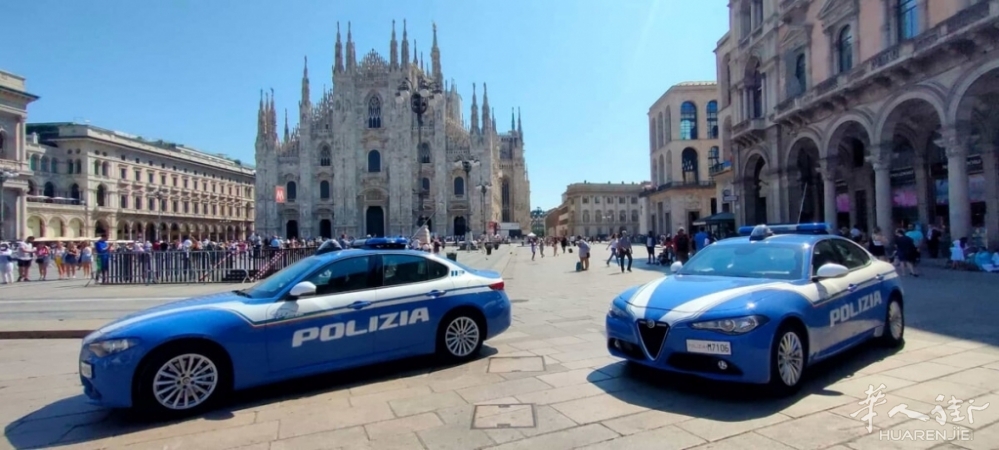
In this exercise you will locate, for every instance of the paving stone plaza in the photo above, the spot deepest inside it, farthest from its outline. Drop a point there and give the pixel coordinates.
(548, 383)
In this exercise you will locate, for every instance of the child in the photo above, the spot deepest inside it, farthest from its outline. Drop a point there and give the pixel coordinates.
(6, 264)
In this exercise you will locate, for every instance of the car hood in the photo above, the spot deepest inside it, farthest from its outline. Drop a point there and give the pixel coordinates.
(191, 304)
(687, 296)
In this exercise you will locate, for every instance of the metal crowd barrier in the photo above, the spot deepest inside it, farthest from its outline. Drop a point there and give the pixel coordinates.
(200, 266)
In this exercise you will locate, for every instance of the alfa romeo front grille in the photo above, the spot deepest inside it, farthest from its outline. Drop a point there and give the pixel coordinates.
(653, 336)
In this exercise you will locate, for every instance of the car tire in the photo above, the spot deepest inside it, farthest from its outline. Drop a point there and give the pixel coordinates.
(202, 380)
(460, 337)
(788, 358)
(894, 331)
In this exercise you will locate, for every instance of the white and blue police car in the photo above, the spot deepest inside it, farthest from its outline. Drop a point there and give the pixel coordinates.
(330, 311)
(760, 308)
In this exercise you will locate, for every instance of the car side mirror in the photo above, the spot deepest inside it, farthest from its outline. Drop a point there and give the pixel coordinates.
(831, 271)
(302, 289)
(675, 267)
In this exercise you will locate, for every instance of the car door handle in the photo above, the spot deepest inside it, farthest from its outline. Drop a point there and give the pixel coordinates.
(435, 293)
(360, 305)
(879, 277)
(851, 287)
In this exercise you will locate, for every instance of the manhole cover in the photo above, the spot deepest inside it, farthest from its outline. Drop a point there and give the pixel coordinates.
(508, 364)
(519, 300)
(491, 417)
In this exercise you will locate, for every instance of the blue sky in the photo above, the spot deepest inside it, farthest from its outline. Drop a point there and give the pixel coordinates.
(583, 72)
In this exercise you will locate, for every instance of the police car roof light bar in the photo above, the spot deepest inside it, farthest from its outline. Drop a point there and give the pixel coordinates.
(382, 244)
(790, 228)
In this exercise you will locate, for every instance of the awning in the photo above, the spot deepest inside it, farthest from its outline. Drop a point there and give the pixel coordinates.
(716, 219)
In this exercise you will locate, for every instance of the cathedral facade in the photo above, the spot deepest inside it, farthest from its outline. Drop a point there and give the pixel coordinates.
(386, 150)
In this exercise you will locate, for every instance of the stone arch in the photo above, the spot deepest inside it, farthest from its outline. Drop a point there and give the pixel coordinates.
(36, 226)
(101, 227)
(888, 116)
(663, 175)
(56, 227)
(963, 84)
(805, 187)
(668, 170)
(75, 228)
(834, 132)
(803, 134)
(755, 191)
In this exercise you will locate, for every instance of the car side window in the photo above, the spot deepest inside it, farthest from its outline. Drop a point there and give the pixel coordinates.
(823, 253)
(853, 257)
(404, 269)
(345, 275)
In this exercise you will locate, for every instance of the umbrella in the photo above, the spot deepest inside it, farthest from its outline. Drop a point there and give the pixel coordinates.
(531, 235)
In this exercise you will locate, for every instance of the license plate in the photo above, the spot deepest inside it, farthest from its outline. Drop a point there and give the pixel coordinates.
(86, 370)
(709, 347)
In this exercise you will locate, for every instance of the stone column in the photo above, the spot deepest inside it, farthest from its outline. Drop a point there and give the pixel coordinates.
(828, 173)
(21, 217)
(923, 200)
(957, 184)
(882, 191)
(991, 173)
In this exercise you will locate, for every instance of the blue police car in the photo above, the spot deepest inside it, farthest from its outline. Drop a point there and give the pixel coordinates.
(331, 311)
(760, 308)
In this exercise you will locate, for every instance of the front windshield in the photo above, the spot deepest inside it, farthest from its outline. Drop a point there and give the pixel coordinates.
(272, 285)
(749, 260)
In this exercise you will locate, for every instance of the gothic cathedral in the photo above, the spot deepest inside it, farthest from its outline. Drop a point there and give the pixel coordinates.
(386, 150)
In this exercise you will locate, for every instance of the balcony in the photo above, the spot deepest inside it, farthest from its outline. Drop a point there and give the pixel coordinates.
(676, 185)
(56, 203)
(793, 11)
(750, 131)
(961, 34)
(719, 168)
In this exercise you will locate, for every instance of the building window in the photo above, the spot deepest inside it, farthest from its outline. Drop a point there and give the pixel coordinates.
(291, 191)
(800, 74)
(688, 121)
(138, 202)
(123, 201)
(374, 161)
(689, 161)
(150, 177)
(425, 184)
(652, 134)
(756, 93)
(586, 216)
(459, 187)
(659, 131)
(324, 190)
(102, 195)
(424, 153)
(325, 157)
(634, 215)
(907, 17)
(668, 125)
(622, 216)
(844, 49)
(745, 19)
(757, 12)
(123, 173)
(712, 111)
(374, 112)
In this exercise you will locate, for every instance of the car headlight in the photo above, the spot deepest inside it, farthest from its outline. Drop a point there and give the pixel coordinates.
(111, 346)
(736, 325)
(618, 311)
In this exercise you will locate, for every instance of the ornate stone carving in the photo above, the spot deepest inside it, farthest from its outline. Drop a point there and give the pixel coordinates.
(373, 65)
(374, 195)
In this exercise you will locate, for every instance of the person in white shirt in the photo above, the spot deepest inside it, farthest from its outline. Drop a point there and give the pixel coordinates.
(650, 245)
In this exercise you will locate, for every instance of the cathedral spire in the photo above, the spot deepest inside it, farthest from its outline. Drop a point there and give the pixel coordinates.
(272, 118)
(306, 92)
(416, 55)
(338, 52)
(486, 121)
(435, 59)
(493, 124)
(475, 112)
(286, 134)
(513, 120)
(351, 56)
(520, 131)
(261, 124)
(393, 50)
(405, 46)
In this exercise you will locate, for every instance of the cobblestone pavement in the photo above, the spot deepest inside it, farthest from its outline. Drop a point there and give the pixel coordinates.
(548, 383)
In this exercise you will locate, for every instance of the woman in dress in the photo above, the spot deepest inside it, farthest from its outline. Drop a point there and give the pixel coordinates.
(58, 252)
(42, 258)
(71, 259)
(86, 259)
(877, 244)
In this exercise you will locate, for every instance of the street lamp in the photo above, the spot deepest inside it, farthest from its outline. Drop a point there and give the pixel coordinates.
(421, 96)
(466, 165)
(4, 176)
(482, 188)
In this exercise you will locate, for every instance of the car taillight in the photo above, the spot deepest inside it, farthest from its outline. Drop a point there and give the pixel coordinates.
(496, 286)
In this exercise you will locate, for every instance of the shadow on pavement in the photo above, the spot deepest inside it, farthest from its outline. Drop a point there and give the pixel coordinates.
(73, 421)
(732, 402)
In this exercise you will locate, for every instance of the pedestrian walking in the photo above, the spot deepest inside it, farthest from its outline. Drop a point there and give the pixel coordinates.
(612, 246)
(624, 250)
(584, 252)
